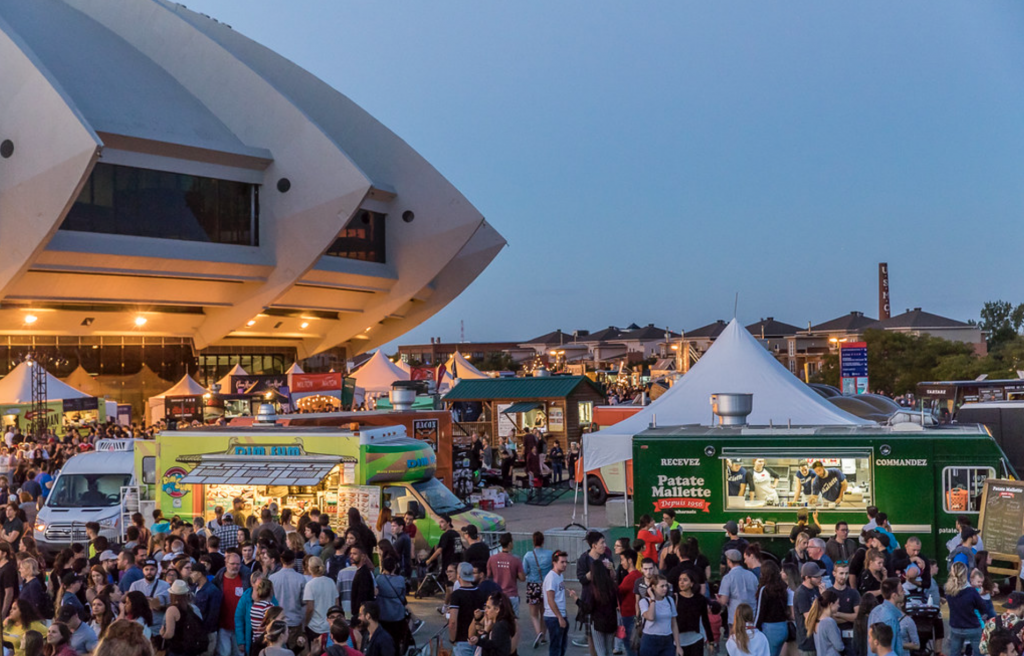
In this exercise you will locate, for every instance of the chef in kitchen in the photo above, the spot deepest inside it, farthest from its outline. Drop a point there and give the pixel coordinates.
(761, 483)
(737, 478)
(830, 484)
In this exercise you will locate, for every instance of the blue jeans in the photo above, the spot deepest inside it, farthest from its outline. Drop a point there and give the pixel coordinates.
(628, 623)
(463, 649)
(558, 638)
(957, 638)
(657, 645)
(776, 633)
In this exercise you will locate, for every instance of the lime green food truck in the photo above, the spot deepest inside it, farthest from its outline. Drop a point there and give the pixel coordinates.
(921, 477)
(302, 468)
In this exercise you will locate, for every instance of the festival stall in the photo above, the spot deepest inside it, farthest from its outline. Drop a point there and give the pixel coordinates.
(183, 402)
(328, 392)
(65, 405)
(377, 375)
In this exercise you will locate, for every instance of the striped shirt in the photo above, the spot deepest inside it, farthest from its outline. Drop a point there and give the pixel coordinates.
(256, 613)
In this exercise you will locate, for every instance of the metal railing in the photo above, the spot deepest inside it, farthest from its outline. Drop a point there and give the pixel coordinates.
(568, 540)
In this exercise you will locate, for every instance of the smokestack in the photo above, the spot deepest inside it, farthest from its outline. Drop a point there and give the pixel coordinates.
(883, 291)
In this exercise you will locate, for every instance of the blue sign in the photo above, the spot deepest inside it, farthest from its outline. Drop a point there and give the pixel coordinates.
(853, 361)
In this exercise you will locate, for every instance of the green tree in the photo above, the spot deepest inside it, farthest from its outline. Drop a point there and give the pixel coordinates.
(1002, 321)
(499, 361)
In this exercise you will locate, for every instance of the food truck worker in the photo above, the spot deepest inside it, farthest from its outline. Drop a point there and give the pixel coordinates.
(804, 481)
(737, 478)
(830, 484)
(761, 482)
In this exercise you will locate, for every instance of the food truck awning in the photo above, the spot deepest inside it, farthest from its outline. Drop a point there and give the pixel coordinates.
(522, 406)
(245, 470)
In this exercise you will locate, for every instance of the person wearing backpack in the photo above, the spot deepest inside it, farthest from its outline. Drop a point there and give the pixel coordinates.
(183, 631)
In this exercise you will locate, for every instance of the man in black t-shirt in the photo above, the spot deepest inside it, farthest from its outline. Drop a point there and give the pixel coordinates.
(8, 579)
(462, 604)
(14, 528)
(803, 599)
(849, 601)
(476, 551)
(449, 546)
(732, 531)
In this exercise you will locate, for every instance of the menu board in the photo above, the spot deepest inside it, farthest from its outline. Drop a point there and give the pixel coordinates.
(364, 497)
(1002, 516)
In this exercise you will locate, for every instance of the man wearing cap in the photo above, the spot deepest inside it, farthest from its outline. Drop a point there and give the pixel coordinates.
(238, 511)
(803, 599)
(72, 584)
(1011, 621)
(108, 561)
(733, 541)
(83, 638)
(207, 601)
(462, 604)
(737, 478)
(963, 521)
(739, 585)
(227, 532)
(888, 612)
(966, 552)
(156, 592)
(804, 482)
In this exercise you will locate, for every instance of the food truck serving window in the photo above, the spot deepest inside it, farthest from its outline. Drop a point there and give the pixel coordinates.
(776, 477)
(962, 488)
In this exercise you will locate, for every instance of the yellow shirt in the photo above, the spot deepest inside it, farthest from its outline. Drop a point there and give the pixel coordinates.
(14, 632)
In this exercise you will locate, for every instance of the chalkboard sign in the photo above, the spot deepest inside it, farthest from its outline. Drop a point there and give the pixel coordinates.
(1002, 516)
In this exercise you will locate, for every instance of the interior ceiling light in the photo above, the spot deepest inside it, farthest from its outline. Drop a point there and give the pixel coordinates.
(140, 321)
(31, 318)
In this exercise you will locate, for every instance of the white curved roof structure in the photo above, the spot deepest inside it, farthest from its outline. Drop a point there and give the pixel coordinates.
(378, 373)
(736, 363)
(163, 175)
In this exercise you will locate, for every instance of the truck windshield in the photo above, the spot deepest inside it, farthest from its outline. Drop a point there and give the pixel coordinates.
(439, 498)
(88, 490)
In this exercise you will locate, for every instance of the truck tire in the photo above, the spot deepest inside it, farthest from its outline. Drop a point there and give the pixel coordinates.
(596, 494)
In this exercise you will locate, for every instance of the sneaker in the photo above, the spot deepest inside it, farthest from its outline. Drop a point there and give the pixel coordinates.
(440, 610)
(417, 625)
(616, 652)
(536, 641)
(580, 642)
(544, 639)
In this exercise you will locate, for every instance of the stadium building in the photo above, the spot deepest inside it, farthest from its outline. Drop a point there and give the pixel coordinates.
(176, 196)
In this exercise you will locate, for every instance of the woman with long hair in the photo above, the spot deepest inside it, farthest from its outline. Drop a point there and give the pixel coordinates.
(273, 614)
(28, 545)
(536, 565)
(97, 583)
(384, 524)
(286, 521)
(124, 638)
(176, 619)
(774, 601)
(603, 604)
(650, 550)
(699, 559)
(102, 614)
(58, 641)
(390, 589)
(277, 636)
(828, 639)
(791, 575)
(496, 632)
(798, 554)
(660, 636)
(144, 533)
(21, 619)
(135, 608)
(963, 600)
(33, 644)
(61, 566)
(693, 618)
(745, 639)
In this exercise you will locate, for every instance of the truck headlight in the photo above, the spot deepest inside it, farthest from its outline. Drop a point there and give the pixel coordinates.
(40, 526)
(109, 523)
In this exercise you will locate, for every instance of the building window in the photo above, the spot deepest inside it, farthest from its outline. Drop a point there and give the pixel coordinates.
(962, 488)
(362, 238)
(123, 200)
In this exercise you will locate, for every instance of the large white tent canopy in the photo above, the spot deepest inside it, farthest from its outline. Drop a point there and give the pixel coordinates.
(187, 386)
(225, 382)
(459, 367)
(377, 375)
(16, 387)
(736, 363)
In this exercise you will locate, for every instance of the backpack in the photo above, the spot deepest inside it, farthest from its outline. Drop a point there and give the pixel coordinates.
(189, 636)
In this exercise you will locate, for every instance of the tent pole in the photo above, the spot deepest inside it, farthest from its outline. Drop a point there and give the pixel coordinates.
(586, 505)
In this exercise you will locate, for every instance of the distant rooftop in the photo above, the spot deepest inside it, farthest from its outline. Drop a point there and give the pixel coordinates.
(771, 328)
(711, 330)
(920, 320)
(851, 322)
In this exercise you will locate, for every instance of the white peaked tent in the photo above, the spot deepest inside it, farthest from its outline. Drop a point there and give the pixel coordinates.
(735, 363)
(184, 387)
(404, 366)
(295, 369)
(225, 382)
(16, 387)
(378, 373)
(459, 367)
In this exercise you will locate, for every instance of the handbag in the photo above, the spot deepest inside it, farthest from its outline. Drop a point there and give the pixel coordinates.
(620, 632)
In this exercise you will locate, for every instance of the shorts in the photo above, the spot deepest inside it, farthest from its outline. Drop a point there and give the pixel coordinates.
(533, 594)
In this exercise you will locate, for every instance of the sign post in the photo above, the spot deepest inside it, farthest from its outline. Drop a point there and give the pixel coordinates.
(853, 367)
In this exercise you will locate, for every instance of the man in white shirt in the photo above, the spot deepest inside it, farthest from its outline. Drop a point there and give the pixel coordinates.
(554, 605)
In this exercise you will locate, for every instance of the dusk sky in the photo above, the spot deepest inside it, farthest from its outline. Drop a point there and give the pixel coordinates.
(646, 161)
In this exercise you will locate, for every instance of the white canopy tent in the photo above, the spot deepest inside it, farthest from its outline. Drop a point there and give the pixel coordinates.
(378, 373)
(459, 367)
(187, 386)
(735, 363)
(225, 382)
(16, 387)
(295, 369)
(404, 366)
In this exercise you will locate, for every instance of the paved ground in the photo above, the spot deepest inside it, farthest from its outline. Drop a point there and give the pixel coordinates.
(520, 518)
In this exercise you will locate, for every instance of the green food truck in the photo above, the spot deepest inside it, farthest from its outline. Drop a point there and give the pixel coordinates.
(921, 477)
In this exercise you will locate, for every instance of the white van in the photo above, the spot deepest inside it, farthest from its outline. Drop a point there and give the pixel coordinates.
(88, 489)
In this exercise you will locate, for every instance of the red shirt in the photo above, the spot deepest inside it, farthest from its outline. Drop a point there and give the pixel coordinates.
(651, 541)
(504, 569)
(627, 600)
(233, 589)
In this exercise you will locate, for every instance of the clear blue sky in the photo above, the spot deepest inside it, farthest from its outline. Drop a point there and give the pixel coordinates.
(648, 160)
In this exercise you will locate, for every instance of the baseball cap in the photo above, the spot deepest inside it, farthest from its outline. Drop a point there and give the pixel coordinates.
(228, 516)
(466, 571)
(734, 555)
(149, 562)
(335, 609)
(810, 570)
(1015, 600)
(108, 555)
(731, 526)
(968, 532)
(70, 579)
